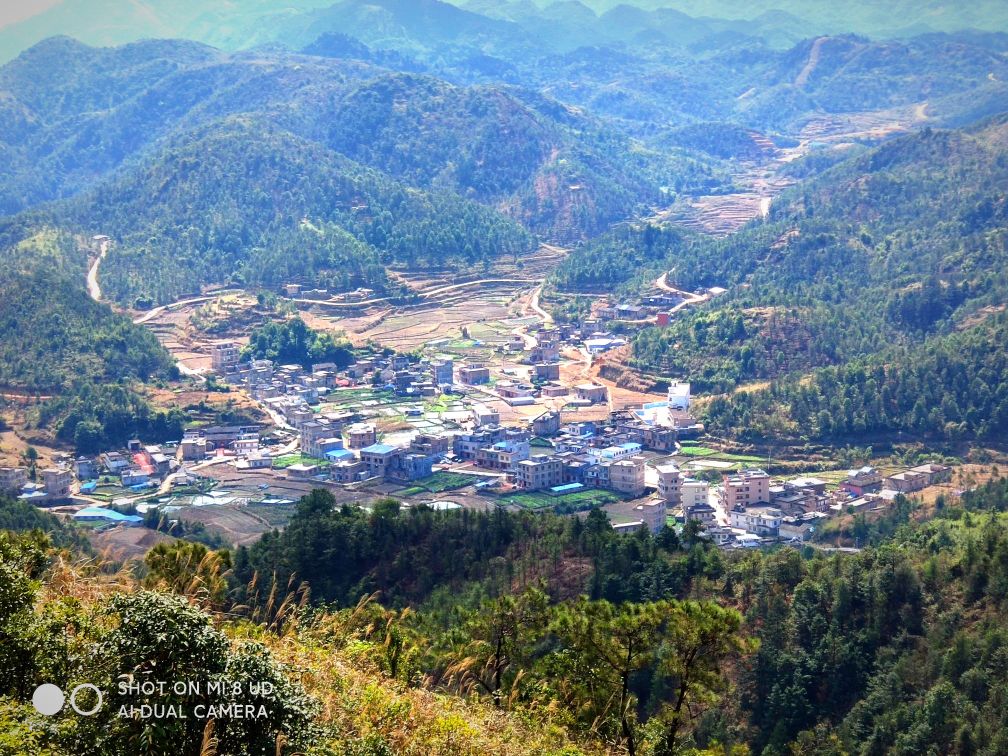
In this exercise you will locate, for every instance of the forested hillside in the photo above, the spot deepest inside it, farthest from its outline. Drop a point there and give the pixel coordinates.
(230, 203)
(632, 129)
(896, 649)
(950, 387)
(116, 126)
(84, 360)
(54, 335)
(882, 251)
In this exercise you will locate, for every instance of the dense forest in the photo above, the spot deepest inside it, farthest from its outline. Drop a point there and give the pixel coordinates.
(891, 261)
(343, 553)
(951, 387)
(634, 62)
(199, 213)
(840, 252)
(329, 142)
(86, 362)
(655, 645)
(162, 119)
(292, 342)
(55, 335)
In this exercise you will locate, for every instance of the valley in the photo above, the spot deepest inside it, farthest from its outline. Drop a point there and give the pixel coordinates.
(584, 378)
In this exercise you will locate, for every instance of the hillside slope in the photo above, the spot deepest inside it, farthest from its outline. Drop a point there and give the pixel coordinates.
(80, 114)
(883, 252)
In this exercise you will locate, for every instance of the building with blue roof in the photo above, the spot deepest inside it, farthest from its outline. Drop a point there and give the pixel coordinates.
(379, 458)
(338, 455)
(566, 488)
(616, 453)
(379, 449)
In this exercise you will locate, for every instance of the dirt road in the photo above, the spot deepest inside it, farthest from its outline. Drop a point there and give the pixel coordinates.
(689, 298)
(534, 306)
(151, 314)
(94, 290)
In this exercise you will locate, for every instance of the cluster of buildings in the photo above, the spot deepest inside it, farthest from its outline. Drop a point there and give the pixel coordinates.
(759, 510)
(658, 305)
(358, 461)
(577, 456)
(300, 291)
(265, 380)
(55, 484)
(137, 467)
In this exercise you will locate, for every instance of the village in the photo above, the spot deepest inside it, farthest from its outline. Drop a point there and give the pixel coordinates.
(441, 428)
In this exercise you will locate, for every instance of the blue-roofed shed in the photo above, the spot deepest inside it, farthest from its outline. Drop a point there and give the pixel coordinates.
(567, 488)
(378, 449)
(103, 513)
(337, 455)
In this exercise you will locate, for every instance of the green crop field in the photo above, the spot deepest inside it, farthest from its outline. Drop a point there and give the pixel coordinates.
(282, 463)
(696, 451)
(578, 499)
(445, 481)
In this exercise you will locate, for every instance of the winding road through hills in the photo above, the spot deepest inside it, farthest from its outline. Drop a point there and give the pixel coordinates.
(689, 297)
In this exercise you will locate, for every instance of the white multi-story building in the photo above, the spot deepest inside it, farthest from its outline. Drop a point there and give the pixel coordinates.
(615, 453)
(759, 520)
(694, 492)
(679, 396)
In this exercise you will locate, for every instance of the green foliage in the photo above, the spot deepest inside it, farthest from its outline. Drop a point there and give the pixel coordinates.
(55, 335)
(881, 267)
(96, 416)
(189, 569)
(292, 342)
(20, 516)
(949, 387)
(146, 637)
(618, 257)
(196, 213)
(153, 637)
(346, 553)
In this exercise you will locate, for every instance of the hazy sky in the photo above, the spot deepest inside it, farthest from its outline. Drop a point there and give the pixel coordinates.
(12, 11)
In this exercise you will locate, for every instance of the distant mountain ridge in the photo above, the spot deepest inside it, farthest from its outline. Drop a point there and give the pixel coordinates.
(498, 26)
(94, 127)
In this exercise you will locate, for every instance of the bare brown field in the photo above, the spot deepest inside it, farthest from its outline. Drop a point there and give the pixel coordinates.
(234, 523)
(122, 543)
(216, 401)
(16, 436)
(450, 302)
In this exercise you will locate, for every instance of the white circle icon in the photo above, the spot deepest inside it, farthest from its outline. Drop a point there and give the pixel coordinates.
(73, 699)
(48, 699)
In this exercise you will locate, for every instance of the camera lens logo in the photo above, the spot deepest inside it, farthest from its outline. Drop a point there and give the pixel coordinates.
(48, 699)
